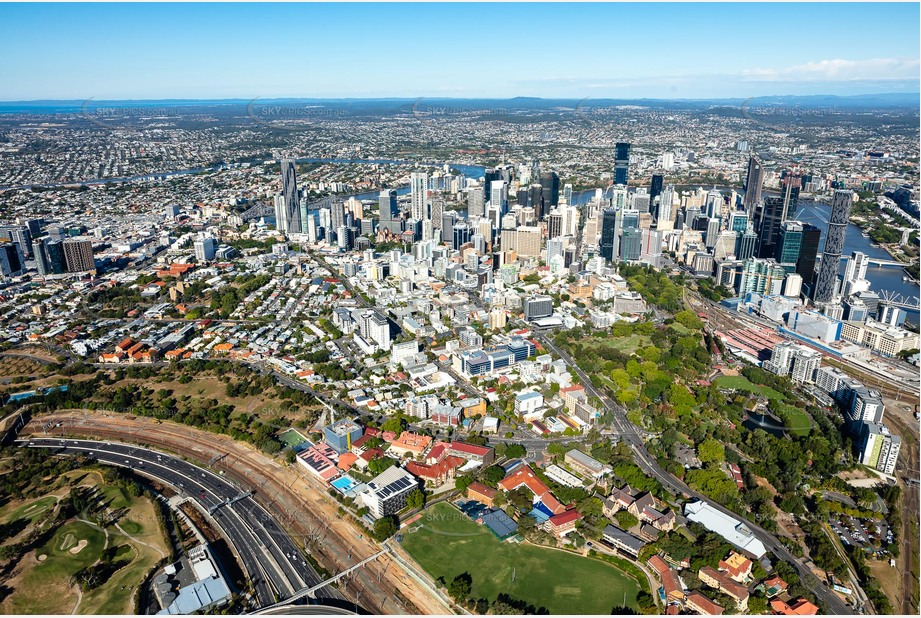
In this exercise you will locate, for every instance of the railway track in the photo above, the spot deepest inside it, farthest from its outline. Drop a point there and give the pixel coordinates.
(380, 588)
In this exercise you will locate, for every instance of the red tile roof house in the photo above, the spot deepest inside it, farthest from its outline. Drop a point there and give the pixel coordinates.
(671, 585)
(702, 605)
(368, 456)
(774, 586)
(409, 443)
(481, 493)
(438, 452)
(722, 582)
(737, 566)
(435, 473)
(801, 607)
(562, 524)
(525, 476)
(473, 452)
(346, 460)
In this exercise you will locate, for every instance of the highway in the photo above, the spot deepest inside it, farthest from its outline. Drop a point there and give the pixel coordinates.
(628, 432)
(269, 555)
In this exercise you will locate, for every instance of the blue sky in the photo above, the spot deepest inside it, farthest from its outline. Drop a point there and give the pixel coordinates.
(141, 51)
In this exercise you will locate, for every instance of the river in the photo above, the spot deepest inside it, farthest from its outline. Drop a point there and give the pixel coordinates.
(881, 278)
(474, 171)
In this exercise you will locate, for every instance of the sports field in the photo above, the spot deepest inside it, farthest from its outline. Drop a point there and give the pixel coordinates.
(446, 543)
(291, 437)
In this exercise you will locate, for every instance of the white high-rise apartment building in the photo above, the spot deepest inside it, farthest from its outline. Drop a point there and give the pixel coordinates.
(418, 183)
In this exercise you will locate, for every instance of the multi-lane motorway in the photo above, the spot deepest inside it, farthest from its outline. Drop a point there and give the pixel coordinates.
(271, 559)
(628, 432)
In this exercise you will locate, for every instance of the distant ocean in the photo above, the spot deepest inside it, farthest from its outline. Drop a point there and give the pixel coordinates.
(77, 107)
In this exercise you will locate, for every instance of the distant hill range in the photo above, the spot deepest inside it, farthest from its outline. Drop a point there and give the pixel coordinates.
(430, 105)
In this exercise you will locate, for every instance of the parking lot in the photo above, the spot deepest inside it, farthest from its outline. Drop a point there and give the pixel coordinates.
(872, 536)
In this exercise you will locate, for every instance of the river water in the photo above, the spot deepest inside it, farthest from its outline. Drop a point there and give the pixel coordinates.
(881, 278)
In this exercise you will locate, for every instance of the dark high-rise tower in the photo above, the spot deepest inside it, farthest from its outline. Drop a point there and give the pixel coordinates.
(790, 183)
(289, 192)
(789, 241)
(608, 234)
(753, 183)
(767, 224)
(655, 188)
(827, 279)
(535, 197)
(550, 191)
(522, 196)
(621, 162)
(809, 249)
(489, 176)
(41, 257)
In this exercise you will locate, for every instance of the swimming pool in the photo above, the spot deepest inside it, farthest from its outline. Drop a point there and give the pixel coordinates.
(344, 484)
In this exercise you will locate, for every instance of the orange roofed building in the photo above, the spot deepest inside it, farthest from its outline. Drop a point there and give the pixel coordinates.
(801, 607)
(409, 442)
(525, 476)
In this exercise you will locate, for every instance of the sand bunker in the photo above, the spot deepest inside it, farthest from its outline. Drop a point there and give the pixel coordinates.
(79, 547)
(42, 557)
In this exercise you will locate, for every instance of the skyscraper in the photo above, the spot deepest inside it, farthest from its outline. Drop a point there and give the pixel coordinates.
(826, 281)
(281, 214)
(337, 215)
(418, 186)
(665, 216)
(746, 244)
(535, 198)
(655, 188)
(488, 177)
(753, 184)
(19, 235)
(289, 192)
(608, 234)
(205, 248)
(497, 195)
(856, 267)
(41, 257)
(786, 250)
(550, 192)
(738, 221)
(809, 249)
(476, 202)
(621, 163)
(11, 263)
(461, 234)
(630, 243)
(767, 223)
(389, 211)
(521, 196)
(55, 251)
(78, 255)
(790, 183)
(554, 223)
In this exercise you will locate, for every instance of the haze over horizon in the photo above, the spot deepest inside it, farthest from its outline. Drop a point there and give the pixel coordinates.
(551, 51)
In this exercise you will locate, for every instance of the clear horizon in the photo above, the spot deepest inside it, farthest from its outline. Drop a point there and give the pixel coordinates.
(497, 51)
(445, 98)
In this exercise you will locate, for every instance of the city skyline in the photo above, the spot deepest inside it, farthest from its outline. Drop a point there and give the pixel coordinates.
(675, 51)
